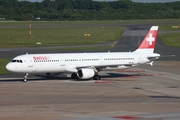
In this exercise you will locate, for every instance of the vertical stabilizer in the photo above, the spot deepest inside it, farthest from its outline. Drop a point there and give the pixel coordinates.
(148, 44)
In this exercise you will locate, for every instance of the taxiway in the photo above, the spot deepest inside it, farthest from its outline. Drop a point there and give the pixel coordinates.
(144, 92)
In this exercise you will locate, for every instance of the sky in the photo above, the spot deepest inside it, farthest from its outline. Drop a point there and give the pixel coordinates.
(116, 0)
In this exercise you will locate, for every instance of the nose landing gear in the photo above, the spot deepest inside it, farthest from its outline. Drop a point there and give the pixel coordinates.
(25, 77)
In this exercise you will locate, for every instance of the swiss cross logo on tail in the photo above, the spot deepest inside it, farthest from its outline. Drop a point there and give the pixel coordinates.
(148, 43)
(150, 39)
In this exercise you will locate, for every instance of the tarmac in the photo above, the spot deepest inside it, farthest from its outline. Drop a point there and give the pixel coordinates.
(140, 93)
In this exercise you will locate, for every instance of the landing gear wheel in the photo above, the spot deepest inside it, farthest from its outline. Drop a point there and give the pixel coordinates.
(96, 77)
(74, 76)
(25, 80)
(25, 77)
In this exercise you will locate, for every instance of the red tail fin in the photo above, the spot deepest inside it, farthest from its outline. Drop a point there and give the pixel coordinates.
(149, 41)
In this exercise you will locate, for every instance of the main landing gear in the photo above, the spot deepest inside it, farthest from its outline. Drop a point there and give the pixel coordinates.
(96, 77)
(25, 77)
(74, 76)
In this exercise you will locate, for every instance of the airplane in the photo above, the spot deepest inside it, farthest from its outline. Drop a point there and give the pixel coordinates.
(86, 65)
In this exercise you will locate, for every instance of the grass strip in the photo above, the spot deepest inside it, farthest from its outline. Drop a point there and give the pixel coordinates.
(171, 39)
(19, 37)
(3, 63)
(85, 48)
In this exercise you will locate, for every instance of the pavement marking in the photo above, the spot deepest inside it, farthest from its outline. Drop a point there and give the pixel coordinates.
(112, 45)
(131, 71)
(101, 81)
(127, 117)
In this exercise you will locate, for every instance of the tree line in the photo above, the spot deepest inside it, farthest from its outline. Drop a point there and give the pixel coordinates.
(86, 10)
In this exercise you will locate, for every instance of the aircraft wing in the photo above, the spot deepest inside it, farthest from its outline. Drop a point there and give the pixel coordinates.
(100, 67)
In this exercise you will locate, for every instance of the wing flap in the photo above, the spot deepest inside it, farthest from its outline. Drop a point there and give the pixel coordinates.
(100, 67)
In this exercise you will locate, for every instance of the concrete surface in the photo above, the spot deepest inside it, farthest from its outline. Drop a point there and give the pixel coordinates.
(146, 92)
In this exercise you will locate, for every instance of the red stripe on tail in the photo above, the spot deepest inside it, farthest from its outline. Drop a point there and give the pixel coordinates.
(150, 39)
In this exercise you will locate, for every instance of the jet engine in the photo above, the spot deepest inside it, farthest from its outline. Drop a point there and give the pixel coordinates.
(85, 73)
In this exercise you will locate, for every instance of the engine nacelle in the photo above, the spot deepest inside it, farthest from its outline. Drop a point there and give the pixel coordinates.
(85, 73)
(52, 74)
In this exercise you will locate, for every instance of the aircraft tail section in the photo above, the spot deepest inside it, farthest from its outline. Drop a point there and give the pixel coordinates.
(148, 44)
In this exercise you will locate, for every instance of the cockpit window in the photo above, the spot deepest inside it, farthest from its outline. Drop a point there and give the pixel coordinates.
(13, 61)
(17, 61)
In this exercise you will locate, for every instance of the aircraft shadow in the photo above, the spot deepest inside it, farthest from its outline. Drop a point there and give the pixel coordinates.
(119, 75)
(35, 78)
(39, 77)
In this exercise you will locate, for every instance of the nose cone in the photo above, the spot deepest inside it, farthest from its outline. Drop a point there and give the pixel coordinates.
(10, 67)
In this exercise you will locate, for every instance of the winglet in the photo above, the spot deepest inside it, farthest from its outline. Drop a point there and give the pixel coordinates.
(148, 44)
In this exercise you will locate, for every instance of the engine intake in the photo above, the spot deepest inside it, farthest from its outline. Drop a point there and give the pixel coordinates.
(85, 73)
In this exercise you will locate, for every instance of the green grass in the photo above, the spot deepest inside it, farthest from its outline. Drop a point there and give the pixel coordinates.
(94, 22)
(67, 32)
(168, 27)
(171, 39)
(3, 63)
(86, 48)
(16, 34)
(68, 35)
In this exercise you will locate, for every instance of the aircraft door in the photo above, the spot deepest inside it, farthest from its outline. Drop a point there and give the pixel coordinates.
(30, 61)
(62, 62)
(100, 60)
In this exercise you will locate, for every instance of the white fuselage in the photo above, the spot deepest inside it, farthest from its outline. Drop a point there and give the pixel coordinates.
(71, 62)
(86, 65)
